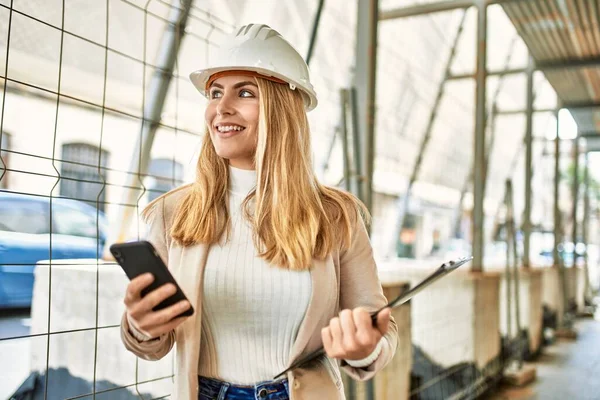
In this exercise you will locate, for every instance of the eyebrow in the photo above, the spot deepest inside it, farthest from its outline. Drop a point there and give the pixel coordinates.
(236, 86)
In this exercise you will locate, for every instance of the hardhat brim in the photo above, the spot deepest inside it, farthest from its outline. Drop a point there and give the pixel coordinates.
(200, 77)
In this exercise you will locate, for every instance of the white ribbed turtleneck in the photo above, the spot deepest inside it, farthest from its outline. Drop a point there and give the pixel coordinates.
(251, 310)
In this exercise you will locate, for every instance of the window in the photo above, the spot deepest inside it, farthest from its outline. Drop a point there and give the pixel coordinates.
(4, 145)
(165, 175)
(83, 182)
(24, 216)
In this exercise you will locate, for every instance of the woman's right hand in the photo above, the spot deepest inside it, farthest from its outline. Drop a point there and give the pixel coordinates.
(139, 309)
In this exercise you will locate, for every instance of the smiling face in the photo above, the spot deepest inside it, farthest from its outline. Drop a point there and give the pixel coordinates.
(232, 119)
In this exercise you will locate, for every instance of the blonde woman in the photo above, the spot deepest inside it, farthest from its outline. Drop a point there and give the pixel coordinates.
(275, 263)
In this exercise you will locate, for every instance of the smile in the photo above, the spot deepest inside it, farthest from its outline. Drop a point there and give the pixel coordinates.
(229, 128)
(226, 130)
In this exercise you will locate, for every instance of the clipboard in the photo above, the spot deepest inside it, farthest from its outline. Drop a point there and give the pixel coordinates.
(440, 272)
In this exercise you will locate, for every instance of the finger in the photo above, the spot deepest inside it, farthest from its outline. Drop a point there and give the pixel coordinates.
(166, 315)
(364, 327)
(336, 333)
(134, 324)
(327, 341)
(167, 327)
(383, 320)
(156, 296)
(348, 330)
(135, 287)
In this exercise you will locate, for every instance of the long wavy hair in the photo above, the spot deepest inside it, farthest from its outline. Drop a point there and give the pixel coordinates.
(294, 217)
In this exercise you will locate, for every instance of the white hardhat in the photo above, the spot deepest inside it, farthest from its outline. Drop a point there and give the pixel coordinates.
(260, 49)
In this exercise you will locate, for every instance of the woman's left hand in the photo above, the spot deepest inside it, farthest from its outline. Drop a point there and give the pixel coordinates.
(352, 335)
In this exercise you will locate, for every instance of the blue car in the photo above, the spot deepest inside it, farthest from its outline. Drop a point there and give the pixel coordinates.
(25, 238)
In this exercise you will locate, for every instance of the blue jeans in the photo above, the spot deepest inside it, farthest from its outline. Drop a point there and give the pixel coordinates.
(214, 389)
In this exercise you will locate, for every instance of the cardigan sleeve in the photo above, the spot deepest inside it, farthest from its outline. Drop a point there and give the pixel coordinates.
(360, 287)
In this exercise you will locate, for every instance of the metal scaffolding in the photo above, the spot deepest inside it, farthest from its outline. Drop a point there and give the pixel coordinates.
(551, 64)
(404, 201)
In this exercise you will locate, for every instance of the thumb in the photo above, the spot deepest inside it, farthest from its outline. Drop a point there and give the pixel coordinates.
(383, 320)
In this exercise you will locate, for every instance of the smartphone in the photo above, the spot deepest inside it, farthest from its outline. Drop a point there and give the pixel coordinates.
(140, 257)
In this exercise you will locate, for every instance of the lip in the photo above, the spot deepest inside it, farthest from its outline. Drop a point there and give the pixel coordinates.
(225, 135)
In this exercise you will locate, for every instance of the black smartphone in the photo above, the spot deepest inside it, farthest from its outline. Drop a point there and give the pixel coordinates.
(140, 257)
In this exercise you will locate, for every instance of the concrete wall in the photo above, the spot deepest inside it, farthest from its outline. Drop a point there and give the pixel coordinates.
(552, 288)
(530, 300)
(457, 318)
(76, 291)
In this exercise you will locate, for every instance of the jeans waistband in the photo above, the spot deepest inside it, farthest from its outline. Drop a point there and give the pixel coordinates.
(211, 388)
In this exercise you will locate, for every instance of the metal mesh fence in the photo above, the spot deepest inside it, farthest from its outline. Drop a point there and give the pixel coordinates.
(78, 86)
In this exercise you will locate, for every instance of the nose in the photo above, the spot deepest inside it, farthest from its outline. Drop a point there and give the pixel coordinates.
(225, 106)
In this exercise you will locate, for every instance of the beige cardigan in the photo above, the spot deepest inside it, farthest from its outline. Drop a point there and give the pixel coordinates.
(344, 280)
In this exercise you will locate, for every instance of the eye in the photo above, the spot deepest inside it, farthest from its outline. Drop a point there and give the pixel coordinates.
(246, 93)
(215, 94)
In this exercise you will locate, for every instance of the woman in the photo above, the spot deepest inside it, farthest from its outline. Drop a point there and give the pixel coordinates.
(290, 266)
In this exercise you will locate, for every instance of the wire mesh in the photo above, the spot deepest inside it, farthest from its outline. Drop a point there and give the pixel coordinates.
(76, 111)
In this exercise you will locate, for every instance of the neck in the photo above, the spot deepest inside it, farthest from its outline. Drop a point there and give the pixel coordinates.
(241, 181)
(242, 164)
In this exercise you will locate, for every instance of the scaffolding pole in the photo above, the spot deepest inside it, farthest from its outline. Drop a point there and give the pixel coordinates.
(585, 225)
(575, 195)
(363, 109)
(403, 202)
(344, 136)
(157, 93)
(558, 228)
(356, 172)
(435, 7)
(528, 164)
(557, 238)
(477, 224)
(364, 80)
(424, 9)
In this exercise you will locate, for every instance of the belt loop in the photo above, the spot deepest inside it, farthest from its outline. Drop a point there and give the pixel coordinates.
(223, 391)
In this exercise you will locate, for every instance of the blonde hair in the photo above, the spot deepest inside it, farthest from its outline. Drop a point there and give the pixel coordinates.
(294, 217)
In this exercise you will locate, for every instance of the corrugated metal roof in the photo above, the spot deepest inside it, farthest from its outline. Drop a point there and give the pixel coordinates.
(563, 31)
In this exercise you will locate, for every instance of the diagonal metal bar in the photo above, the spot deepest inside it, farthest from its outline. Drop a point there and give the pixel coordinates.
(404, 201)
(315, 29)
(159, 86)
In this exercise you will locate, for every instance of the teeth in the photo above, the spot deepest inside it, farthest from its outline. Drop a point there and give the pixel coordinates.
(229, 128)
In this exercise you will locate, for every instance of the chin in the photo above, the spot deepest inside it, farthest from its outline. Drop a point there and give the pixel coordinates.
(226, 154)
